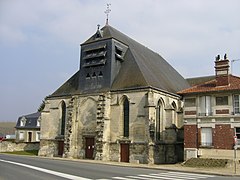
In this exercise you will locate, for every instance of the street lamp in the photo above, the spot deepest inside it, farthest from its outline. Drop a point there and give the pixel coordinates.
(232, 61)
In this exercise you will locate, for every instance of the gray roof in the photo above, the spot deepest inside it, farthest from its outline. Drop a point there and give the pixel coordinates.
(199, 80)
(31, 121)
(141, 67)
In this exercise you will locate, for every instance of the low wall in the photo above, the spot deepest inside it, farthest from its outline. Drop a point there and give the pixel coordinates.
(210, 153)
(8, 146)
(219, 153)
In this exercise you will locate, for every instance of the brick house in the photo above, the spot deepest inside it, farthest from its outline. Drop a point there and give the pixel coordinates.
(212, 114)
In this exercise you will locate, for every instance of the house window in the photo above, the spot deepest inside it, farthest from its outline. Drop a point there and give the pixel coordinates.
(63, 119)
(190, 102)
(222, 100)
(206, 136)
(236, 104)
(126, 118)
(205, 106)
(37, 136)
(21, 135)
(237, 133)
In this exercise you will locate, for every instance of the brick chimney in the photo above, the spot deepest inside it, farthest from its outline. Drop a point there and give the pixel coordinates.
(222, 70)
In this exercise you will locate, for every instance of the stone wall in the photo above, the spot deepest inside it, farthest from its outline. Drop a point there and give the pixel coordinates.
(8, 146)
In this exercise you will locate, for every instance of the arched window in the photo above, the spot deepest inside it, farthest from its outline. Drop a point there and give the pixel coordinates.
(174, 114)
(63, 118)
(159, 115)
(126, 118)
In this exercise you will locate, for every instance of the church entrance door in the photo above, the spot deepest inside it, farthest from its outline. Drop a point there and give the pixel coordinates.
(89, 147)
(60, 147)
(124, 152)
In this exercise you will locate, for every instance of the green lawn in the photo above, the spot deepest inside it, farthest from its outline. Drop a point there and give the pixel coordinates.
(30, 153)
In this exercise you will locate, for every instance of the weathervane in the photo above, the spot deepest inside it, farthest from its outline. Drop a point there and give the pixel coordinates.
(107, 12)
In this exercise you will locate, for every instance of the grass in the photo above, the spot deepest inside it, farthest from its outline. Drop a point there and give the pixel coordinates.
(29, 153)
(206, 162)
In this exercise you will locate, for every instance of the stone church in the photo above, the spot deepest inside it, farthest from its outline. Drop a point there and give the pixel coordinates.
(121, 105)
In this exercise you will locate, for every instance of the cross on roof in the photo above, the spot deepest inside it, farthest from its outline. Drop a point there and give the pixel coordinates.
(107, 12)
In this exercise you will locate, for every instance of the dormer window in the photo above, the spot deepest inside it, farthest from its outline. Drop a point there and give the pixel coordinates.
(22, 121)
(38, 121)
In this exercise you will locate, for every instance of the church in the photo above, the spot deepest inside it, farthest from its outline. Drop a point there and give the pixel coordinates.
(121, 105)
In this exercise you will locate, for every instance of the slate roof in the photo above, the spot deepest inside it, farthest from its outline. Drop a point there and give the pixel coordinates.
(210, 86)
(141, 68)
(199, 80)
(69, 87)
(31, 121)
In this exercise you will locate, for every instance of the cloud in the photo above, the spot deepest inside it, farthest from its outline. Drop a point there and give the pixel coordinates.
(44, 36)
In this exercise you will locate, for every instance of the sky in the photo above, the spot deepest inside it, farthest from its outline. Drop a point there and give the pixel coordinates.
(40, 40)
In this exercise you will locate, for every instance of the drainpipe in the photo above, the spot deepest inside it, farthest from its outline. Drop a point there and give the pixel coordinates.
(197, 99)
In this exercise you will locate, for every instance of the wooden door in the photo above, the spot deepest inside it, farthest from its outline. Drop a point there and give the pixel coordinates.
(29, 136)
(60, 147)
(89, 149)
(124, 152)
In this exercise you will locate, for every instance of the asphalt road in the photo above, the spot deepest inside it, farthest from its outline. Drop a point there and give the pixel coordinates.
(28, 168)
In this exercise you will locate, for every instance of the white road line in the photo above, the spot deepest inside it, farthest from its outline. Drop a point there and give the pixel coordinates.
(174, 175)
(167, 176)
(191, 174)
(160, 177)
(68, 176)
(137, 177)
(122, 178)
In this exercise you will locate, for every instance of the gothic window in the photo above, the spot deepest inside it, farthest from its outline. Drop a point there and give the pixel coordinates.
(158, 119)
(174, 115)
(126, 118)
(63, 118)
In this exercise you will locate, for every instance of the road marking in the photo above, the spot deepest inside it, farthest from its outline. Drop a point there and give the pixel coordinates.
(159, 177)
(64, 175)
(165, 176)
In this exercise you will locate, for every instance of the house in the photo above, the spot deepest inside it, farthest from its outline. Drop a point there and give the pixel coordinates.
(212, 114)
(122, 105)
(28, 128)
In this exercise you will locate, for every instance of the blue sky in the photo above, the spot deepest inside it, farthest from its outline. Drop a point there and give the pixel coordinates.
(40, 40)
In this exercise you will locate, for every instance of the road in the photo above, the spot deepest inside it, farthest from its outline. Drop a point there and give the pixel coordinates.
(24, 167)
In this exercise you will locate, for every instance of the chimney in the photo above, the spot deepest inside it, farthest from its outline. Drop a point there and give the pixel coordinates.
(222, 70)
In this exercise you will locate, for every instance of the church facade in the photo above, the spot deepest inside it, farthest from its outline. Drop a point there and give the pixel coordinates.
(120, 106)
